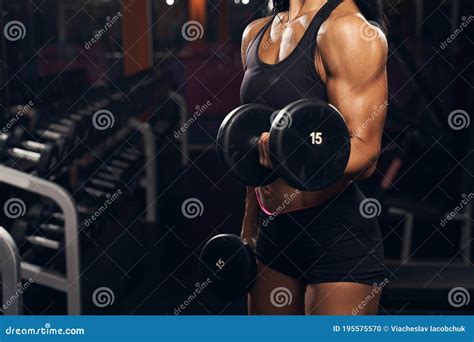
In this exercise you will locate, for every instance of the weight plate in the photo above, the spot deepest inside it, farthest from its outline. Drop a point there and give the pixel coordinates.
(230, 264)
(310, 144)
(236, 144)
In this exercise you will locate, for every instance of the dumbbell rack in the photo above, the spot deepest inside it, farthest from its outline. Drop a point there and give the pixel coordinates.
(70, 282)
(11, 274)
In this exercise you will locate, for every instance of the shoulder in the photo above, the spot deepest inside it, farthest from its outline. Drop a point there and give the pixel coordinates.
(251, 32)
(347, 35)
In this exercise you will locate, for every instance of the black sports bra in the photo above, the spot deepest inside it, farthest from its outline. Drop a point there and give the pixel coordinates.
(291, 79)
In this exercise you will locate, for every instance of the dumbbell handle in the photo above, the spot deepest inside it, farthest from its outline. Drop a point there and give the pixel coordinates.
(24, 154)
(48, 134)
(44, 242)
(33, 146)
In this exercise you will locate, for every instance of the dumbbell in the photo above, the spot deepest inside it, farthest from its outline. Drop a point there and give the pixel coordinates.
(309, 144)
(44, 157)
(231, 265)
(64, 132)
(43, 227)
(40, 227)
(68, 130)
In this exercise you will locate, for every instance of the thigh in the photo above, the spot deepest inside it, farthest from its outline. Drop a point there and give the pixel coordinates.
(342, 299)
(276, 294)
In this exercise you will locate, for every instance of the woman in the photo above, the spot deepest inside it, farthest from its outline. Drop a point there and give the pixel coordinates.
(319, 254)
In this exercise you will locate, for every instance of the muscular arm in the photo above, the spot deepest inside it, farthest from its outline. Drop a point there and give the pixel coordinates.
(354, 55)
(249, 225)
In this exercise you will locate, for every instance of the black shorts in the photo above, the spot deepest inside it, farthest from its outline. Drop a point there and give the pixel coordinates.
(332, 242)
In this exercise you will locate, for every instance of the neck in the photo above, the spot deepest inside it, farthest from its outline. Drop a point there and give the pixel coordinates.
(298, 7)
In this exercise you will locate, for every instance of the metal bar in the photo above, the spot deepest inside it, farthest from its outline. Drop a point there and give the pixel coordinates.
(50, 279)
(407, 238)
(71, 234)
(184, 138)
(150, 168)
(12, 299)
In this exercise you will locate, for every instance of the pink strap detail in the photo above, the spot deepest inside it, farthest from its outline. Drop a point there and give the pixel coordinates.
(261, 205)
(270, 213)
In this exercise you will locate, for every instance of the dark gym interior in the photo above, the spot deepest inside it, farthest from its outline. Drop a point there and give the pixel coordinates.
(110, 112)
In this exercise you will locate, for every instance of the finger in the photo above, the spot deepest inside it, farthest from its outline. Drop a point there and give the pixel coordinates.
(267, 151)
(261, 153)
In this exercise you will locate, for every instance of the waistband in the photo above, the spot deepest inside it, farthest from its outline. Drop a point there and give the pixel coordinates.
(343, 203)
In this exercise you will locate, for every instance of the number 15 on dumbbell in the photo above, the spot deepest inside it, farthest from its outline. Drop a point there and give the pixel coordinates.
(309, 144)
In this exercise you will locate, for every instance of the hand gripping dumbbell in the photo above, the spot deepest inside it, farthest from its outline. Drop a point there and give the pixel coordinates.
(309, 144)
(230, 264)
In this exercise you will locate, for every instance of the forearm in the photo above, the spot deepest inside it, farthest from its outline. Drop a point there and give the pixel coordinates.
(363, 160)
(249, 225)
